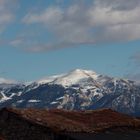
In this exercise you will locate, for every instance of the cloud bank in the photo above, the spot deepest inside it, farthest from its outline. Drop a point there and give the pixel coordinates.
(101, 21)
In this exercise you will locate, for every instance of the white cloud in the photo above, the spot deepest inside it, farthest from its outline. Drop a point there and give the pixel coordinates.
(7, 15)
(134, 74)
(16, 42)
(101, 21)
(134, 77)
(51, 15)
(119, 4)
(6, 81)
(136, 58)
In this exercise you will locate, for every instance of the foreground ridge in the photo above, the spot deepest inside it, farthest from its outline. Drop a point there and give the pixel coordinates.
(57, 124)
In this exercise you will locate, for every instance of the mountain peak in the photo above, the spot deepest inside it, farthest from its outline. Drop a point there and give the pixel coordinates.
(70, 78)
(82, 71)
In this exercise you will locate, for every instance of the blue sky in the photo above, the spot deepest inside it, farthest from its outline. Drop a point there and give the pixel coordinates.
(45, 37)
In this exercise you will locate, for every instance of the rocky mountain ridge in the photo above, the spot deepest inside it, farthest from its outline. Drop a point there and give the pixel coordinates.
(76, 90)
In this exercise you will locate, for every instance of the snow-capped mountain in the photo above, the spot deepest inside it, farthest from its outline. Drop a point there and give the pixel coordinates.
(72, 78)
(78, 89)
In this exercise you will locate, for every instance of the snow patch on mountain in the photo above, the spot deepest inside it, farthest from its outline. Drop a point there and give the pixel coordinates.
(4, 97)
(33, 101)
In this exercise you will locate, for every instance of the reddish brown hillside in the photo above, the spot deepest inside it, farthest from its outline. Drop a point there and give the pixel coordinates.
(1, 138)
(77, 121)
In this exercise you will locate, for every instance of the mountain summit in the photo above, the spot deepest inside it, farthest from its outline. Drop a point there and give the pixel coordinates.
(71, 78)
(75, 90)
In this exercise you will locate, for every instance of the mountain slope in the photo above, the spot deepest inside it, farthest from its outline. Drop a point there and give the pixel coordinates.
(76, 90)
